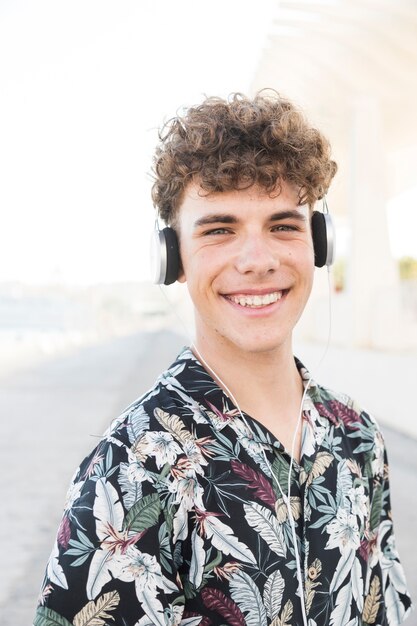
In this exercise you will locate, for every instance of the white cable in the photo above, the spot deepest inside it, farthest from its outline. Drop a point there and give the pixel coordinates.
(173, 306)
(286, 498)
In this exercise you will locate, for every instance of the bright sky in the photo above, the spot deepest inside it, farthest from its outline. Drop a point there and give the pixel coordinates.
(83, 87)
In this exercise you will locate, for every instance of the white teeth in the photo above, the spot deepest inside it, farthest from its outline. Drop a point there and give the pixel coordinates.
(256, 301)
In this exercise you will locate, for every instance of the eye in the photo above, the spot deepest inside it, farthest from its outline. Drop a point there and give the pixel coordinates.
(283, 228)
(217, 231)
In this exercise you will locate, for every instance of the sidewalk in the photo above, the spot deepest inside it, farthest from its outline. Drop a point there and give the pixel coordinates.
(52, 414)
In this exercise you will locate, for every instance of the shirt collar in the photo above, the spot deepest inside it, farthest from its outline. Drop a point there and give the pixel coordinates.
(215, 404)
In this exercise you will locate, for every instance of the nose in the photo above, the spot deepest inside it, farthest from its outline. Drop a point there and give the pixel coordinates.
(256, 256)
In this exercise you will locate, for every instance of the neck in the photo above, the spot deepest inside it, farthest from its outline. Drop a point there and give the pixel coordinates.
(263, 384)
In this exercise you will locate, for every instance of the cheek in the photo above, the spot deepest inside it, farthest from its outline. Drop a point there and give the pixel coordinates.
(309, 271)
(303, 264)
(201, 264)
(302, 257)
(186, 264)
(195, 273)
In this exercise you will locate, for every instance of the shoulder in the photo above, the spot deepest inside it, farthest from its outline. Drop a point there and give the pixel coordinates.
(338, 408)
(171, 396)
(351, 429)
(133, 457)
(342, 410)
(151, 428)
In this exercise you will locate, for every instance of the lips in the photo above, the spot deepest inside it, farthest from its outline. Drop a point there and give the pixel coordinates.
(255, 301)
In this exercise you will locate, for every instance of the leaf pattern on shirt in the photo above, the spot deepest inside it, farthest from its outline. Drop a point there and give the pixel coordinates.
(97, 613)
(285, 617)
(372, 602)
(216, 600)
(256, 481)
(273, 593)
(268, 527)
(179, 517)
(48, 617)
(246, 595)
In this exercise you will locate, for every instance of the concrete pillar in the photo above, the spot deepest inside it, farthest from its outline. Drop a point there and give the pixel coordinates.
(372, 279)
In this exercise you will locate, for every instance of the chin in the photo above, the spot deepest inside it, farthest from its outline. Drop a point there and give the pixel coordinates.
(265, 345)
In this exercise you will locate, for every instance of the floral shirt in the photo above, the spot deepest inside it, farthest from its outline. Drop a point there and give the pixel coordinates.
(175, 518)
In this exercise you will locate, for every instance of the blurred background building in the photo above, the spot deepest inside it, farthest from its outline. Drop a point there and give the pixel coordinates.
(352, 65)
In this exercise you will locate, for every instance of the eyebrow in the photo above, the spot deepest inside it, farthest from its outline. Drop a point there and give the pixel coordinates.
(290, 214)
(220, 218)
(215, 218)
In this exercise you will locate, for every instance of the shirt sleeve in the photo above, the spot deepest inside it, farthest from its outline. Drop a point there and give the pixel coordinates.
(114, 557)
(387, 600)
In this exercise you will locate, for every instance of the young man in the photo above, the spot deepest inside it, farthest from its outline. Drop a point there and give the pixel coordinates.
(181, 515)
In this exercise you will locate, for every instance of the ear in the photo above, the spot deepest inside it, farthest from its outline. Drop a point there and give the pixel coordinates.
(181, 275)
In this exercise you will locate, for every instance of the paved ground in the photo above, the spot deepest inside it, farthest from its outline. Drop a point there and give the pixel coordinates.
(50, 417)
(51, 414)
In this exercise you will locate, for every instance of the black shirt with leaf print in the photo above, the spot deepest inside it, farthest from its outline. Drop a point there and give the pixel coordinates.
(175, 518)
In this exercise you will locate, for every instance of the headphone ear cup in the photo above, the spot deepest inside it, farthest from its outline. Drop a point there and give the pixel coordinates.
(165, 256)
(323, 238)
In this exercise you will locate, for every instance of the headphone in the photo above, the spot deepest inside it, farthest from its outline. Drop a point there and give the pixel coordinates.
(165, 253)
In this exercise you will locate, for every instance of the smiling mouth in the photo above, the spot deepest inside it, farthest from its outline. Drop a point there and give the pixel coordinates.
(257, 301)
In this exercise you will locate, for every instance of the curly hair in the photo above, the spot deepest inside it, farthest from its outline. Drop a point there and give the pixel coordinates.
(224, 145)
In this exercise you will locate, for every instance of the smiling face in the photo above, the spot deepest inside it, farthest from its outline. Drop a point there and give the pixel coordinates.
(248, 261)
